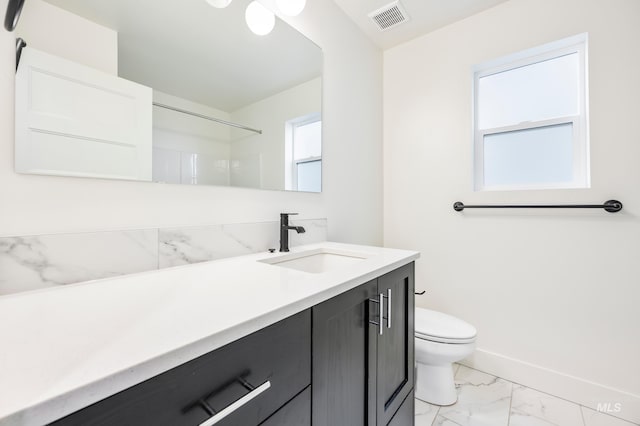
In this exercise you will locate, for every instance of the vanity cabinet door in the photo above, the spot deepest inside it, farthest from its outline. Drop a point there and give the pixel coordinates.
(405, 416)
(344, 359)
(396, 344)
(252, 378)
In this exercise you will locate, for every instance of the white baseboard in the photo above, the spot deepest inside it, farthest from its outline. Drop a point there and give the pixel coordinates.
(614, 402)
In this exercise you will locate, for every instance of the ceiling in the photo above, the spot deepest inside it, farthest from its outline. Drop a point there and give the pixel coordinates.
(424, 16)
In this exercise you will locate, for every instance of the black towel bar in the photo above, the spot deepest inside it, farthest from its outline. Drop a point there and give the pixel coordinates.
(612, 206)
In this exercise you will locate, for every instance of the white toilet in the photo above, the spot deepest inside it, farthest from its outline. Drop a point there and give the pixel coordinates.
(441, 340)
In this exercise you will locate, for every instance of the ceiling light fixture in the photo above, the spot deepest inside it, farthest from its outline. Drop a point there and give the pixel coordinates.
(259, 19)
(291, 7)
(220, 4)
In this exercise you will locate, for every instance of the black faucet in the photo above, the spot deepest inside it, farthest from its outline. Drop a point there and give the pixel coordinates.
(284, 230)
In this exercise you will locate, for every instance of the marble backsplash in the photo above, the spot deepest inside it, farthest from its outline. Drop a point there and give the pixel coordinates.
(33, 262)
(180, 246)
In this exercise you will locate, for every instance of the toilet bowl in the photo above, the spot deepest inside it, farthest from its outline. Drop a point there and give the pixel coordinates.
(440, 340)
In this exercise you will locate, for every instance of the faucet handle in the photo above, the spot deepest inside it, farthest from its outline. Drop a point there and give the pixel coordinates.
(288, 214)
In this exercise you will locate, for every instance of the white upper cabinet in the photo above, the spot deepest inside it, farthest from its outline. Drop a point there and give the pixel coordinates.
(73, 120)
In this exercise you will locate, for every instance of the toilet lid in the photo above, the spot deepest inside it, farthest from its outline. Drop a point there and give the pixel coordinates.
(439, 327)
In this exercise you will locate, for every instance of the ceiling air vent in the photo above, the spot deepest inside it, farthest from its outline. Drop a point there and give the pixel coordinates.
(389, 16)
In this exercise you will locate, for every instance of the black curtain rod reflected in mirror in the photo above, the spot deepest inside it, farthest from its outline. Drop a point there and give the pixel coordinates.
(612, 206)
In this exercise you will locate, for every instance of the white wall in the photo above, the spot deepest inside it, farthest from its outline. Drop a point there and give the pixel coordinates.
(351, 124)
(270, 115)
(352, 98)
(554, 295)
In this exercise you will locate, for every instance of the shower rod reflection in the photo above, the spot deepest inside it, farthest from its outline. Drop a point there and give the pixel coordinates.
(612, 206)
(206, 117)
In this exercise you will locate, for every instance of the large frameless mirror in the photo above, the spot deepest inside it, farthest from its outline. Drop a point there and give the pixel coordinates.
(191, 96)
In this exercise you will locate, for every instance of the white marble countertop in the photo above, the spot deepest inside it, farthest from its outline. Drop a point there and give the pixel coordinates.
(62, 349)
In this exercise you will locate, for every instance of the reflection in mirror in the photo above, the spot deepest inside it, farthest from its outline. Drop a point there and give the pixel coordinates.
(191, 96)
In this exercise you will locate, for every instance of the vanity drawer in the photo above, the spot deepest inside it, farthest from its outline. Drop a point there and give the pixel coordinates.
(258, 374)
(297, 412)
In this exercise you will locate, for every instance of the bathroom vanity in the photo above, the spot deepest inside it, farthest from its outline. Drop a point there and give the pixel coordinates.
(321, 335)
(345, 357)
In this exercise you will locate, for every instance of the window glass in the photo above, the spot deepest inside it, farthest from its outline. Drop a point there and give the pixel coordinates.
(534, 92)
(309, 176)
(307, 140)
(530, 156)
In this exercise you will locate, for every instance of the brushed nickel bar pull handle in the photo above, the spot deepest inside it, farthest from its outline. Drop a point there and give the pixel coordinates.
(374, 322)
(380, 303)
(236, 405)
(388, 308)
(381, 313)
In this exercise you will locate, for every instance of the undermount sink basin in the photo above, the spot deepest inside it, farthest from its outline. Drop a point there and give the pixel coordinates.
(317, 261)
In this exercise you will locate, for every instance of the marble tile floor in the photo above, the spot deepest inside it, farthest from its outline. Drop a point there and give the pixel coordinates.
(486, 400)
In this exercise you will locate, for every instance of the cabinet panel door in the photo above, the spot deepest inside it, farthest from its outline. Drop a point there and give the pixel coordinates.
(344, 359)
(396, 344)
(405, 416)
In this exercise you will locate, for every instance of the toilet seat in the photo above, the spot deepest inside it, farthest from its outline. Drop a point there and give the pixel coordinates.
(442, 328)
(444, 339)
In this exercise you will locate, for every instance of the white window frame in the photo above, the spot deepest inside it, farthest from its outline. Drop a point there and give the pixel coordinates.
(581, 174)
(292, 124)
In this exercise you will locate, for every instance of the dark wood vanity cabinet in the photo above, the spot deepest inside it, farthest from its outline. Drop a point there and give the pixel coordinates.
(344, 359)
(363, 355)
(344, 362)
(405, 414)
(274, 364)
(395, 372)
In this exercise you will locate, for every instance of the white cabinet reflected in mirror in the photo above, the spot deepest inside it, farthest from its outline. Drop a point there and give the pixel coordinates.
(184, 93)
